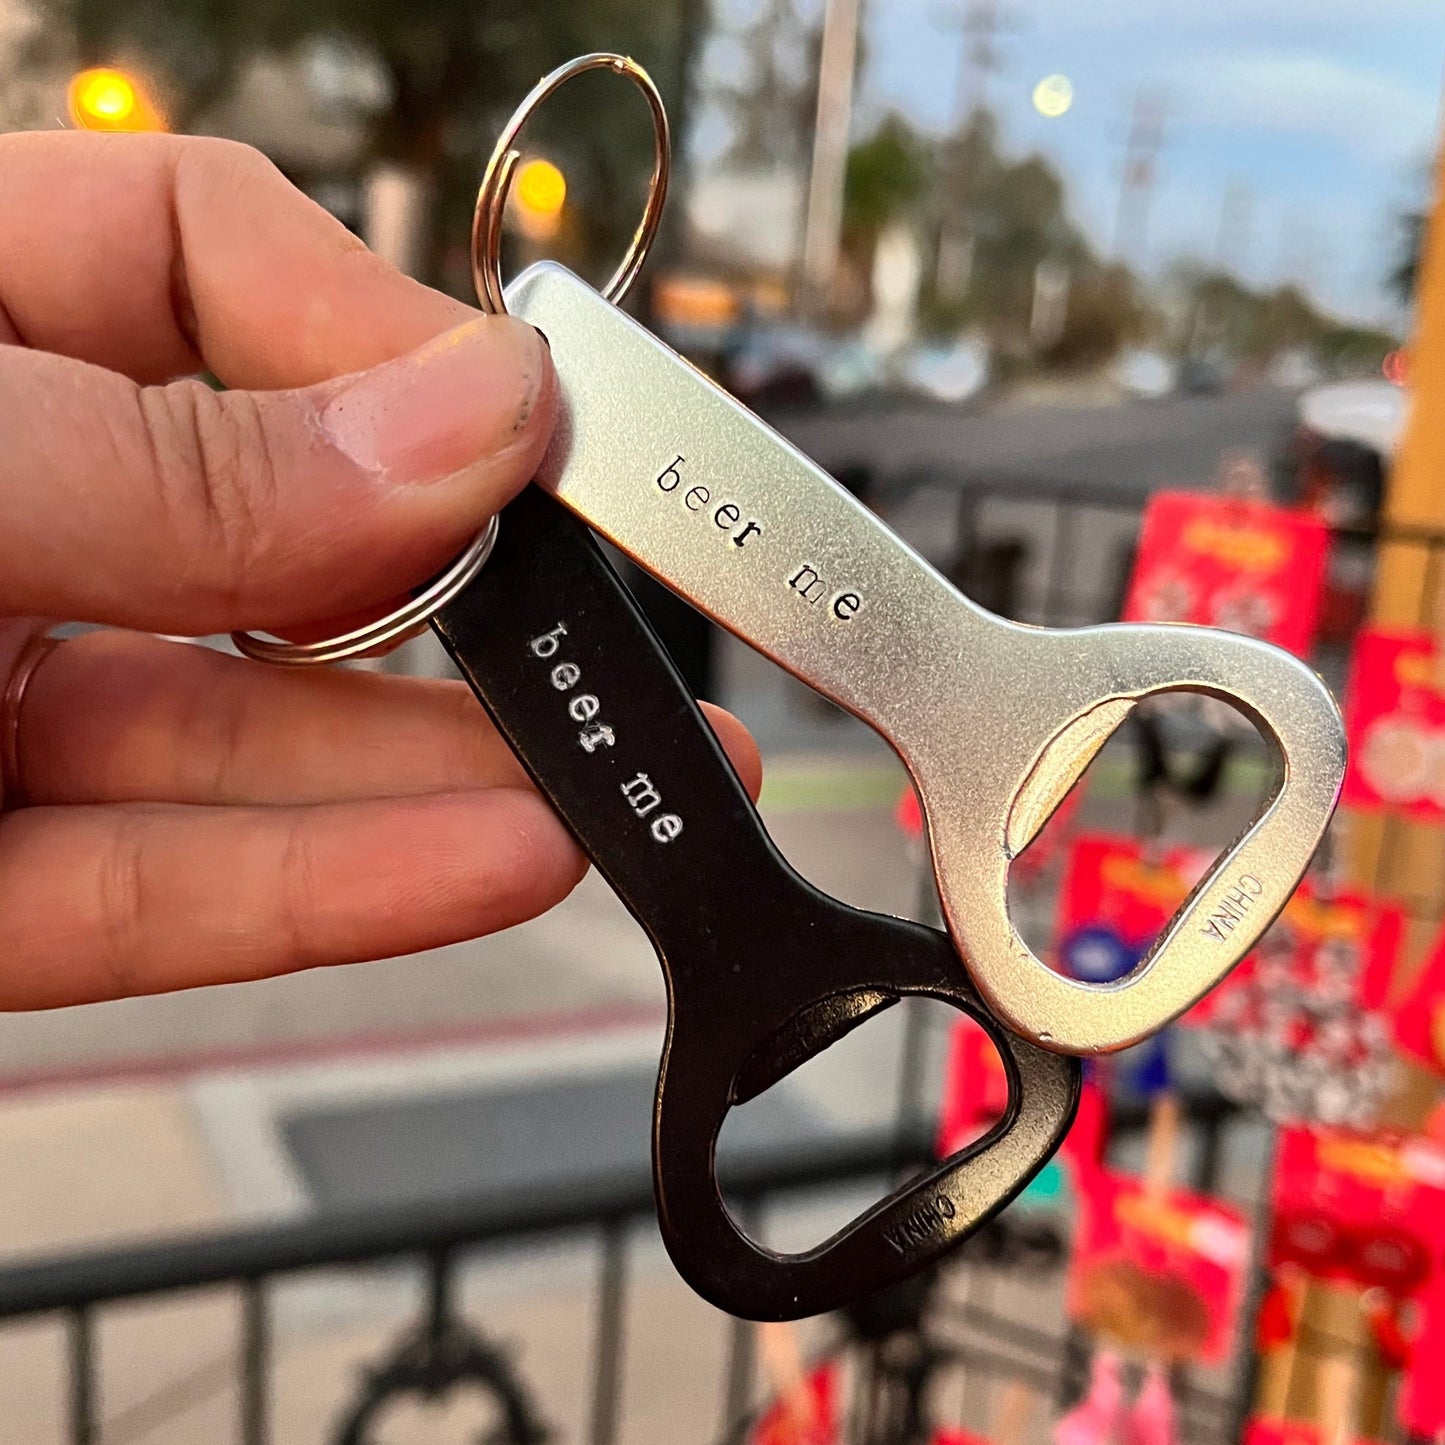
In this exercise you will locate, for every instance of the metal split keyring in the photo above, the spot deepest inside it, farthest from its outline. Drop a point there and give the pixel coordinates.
(411, 619)
(497, 181)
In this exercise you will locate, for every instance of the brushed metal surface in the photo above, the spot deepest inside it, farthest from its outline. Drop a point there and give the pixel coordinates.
(709, 499)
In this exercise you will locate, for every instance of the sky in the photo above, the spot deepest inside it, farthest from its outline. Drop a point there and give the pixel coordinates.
(1319, 115)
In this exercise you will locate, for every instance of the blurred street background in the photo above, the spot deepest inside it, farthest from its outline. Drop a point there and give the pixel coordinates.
(1006, 268)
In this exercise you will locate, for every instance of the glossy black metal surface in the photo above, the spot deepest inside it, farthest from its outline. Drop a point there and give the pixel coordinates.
(763, 970)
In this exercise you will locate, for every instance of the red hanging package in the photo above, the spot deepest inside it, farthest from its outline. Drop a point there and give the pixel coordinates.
(1395, 724)
(1244, 566)
(975, 1088)
(780, 1425)
(1299, 1029)
(1116, 899)
(1118, 894)
(1339, 949)
(1365, 1210)
(1422, 1393)
(975, 1095)
(1161, 1275)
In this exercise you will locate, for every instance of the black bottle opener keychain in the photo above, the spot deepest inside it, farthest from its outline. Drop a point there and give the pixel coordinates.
(763, 970)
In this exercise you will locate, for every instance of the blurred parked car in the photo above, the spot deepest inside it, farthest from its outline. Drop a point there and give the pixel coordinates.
(1199, 376)
(1368, 413)
(1147, 375)
(1334, 464)
(1294, 370)
(773, 366)
(1344, 437)
(783, 366)
(851, 369)
(950, 373)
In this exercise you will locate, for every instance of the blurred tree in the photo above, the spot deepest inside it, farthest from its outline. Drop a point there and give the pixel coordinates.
(889, 176)
(1107, 311)
(1286, 320)
(770, 97)
(968, 164)
(998, 220)
(1349, 350)
(1222, 314)
(1020, 220)
(452, 69)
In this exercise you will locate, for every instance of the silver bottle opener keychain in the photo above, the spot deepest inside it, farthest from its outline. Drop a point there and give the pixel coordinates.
(994, 720)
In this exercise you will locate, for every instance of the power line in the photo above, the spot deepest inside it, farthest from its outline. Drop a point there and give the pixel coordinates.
(980, 23)
(1140, 176)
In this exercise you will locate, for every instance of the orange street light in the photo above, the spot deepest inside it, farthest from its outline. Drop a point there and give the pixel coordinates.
(101, 98)
(541, 192)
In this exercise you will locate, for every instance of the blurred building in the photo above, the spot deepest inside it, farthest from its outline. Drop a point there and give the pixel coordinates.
(307, 111)
(291, 108)
(753, 218)
(31, 97)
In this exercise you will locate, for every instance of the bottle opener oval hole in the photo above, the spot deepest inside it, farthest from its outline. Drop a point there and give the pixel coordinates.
(916, 1224)
(1179, 747)
(1214, 924)
(989, 716)
(763, 971)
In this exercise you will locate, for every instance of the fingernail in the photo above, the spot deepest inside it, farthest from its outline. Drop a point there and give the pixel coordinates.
(439, 409)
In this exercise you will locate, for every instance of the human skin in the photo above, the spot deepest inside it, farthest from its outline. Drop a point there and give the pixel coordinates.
(180, 817)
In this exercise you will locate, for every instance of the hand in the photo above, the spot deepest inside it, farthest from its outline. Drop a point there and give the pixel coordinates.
(180, 817)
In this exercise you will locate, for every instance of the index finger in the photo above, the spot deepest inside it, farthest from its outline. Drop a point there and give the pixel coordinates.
(156, 255)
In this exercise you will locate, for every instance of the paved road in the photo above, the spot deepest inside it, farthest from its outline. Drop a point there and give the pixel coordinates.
(1132, 445)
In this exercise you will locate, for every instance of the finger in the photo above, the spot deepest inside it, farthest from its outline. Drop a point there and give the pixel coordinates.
(117, 717)
(180, 509)
(223, 261)
(108, 902)
(740, 747)
(22, 643)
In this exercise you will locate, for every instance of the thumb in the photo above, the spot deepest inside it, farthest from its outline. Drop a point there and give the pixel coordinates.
(180, 509)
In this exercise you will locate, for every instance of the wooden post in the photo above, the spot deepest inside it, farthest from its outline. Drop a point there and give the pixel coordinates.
(782, 1360)
(1161, 1145)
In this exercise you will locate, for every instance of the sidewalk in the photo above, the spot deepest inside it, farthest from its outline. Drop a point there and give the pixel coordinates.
(108, 1164)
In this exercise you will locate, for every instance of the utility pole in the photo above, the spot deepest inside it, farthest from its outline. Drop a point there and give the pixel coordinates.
(980, 58)
(1139, 177)
(823, 228)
